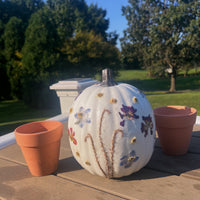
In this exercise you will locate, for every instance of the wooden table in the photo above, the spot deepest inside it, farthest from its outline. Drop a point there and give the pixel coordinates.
(164, 177)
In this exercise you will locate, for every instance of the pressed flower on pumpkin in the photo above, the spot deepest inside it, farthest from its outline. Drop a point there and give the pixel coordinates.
(146, 125)
(128, 112)
(71, 134)
(82, 116)
(128, 160)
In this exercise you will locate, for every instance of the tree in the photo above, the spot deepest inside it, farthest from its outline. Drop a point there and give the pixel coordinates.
(40, 53)
(136, 36)
(130, 59)
(22, 9)
(40, 50)
(90, 53)
(4, 83)
(165, 35)
(13, 42)
(63, 14)
(77, 16)
(37, 38)
(13, 37)
(96, 20)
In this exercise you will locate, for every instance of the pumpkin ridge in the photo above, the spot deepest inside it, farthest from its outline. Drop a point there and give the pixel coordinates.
(113, 147)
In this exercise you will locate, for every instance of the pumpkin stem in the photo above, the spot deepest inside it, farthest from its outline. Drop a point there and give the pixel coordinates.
(107, 78)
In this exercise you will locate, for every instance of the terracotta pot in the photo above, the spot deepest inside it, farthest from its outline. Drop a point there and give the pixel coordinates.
(174, 126)
(40, 145)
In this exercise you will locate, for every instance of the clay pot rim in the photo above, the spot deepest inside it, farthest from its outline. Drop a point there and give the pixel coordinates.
(193, 111)
(19, 132)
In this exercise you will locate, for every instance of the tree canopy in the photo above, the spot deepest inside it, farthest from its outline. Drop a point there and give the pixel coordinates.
(164, 34)
(43, 41)
(86, 49)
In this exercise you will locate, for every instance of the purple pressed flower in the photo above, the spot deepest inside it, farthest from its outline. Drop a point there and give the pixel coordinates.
(122, 123)
(129, 159)
(128, 112)
(146, 125)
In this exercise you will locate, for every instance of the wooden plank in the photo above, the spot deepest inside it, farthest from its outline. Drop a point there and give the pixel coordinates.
(145, 184)
(194, 174)
(17, 183)
(176, 165)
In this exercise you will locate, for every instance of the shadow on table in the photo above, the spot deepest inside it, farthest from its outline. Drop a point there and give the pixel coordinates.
(160, 164)
(177, 165)
(67, 165)
(9, 174)
(14, 173)
(70, 164)
(143, 174)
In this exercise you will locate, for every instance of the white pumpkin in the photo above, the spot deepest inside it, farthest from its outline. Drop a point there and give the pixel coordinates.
(111, 128)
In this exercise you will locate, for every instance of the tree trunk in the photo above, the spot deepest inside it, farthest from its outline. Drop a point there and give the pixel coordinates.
(173, 77)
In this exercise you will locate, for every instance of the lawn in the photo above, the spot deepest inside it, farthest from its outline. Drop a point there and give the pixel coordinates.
(14, 113)
(141, 80)
(187, 98)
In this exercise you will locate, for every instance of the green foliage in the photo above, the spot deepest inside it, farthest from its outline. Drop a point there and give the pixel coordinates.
(14, 15)
(96, 20)
(4, 83)
(89, 53)
(19, 8)
(39, 57)
(63, 13)
(13, 43)
(136, 36)
(43, 41)
(130, 59)
(162, 34)
(40, 48)
(13, 37)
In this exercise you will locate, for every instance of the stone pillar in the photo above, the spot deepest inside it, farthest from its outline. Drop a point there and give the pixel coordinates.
(67, 90)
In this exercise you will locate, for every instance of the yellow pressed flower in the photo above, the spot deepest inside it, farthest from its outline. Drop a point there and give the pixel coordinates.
(135, 100)
(87, 163)
(71, 110)
(113, 101)
(131, 158)
(99, 94)
(80, 115)
(133, 140)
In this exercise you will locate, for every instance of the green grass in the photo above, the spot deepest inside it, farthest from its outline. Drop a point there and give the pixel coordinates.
(187, 98)
(141, 80)
(191, 71)
(164, 84)
(15, 113)
(128, 75)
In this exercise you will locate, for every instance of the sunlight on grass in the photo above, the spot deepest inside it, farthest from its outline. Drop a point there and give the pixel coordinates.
(127, 75)
(186, 98)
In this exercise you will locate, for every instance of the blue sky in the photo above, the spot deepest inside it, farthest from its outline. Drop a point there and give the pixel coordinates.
(113, 7)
